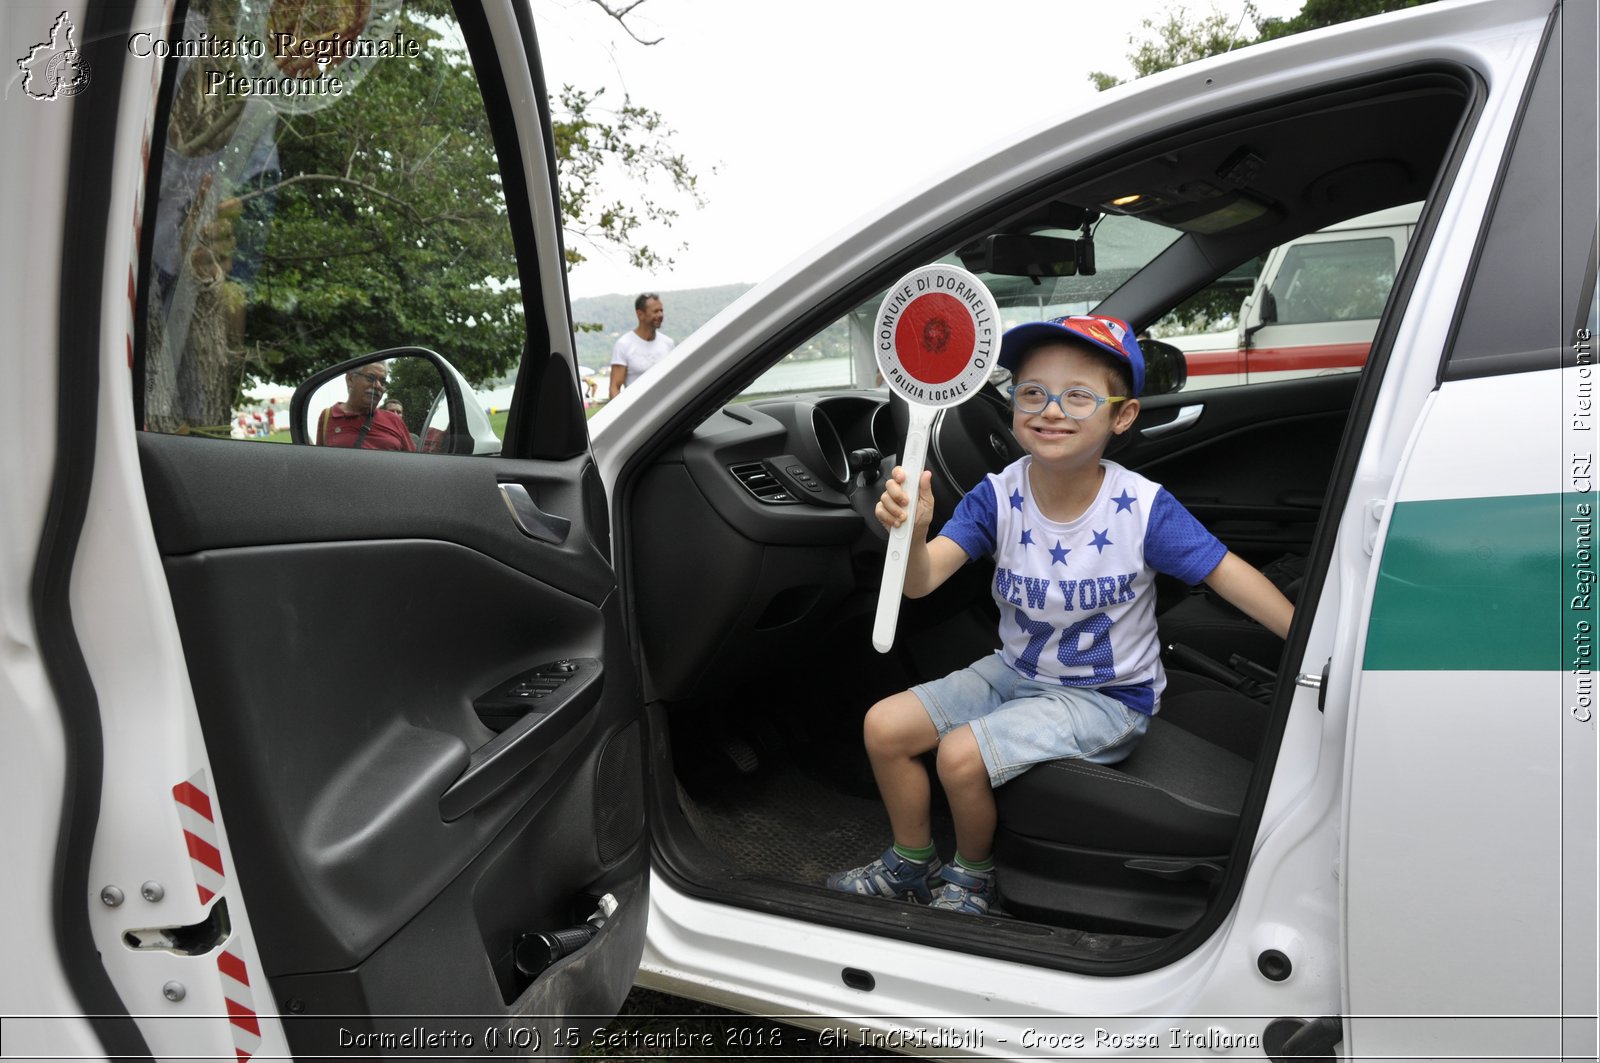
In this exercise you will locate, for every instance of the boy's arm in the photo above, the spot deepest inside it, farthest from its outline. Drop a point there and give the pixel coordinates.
(931, 563)
(928, 564)
(1248, 590)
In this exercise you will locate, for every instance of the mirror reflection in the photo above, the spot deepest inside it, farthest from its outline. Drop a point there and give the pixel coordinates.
(391, 404)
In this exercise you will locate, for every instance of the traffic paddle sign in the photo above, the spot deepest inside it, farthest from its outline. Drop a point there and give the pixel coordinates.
(936, 337)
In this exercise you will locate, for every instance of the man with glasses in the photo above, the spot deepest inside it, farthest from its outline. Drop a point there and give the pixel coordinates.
(359, 422)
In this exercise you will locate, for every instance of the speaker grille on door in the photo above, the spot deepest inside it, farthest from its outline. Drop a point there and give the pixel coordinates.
(619, 795)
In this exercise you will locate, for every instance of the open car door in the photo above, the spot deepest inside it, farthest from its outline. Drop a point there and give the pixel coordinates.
(348, 752)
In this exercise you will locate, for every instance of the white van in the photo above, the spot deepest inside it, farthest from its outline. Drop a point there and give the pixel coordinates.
(1313, 308)
(395, 744)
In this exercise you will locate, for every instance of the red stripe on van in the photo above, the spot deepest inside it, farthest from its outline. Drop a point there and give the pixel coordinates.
(1320, 356)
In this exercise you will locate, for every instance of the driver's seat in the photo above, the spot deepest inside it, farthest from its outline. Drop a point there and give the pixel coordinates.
(1134, 846)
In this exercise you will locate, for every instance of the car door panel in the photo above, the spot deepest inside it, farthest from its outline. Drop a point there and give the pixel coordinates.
(345, 619)
(1286, 432)
(217, 495)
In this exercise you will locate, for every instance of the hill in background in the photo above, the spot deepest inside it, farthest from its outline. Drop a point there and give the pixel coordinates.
(686, 310)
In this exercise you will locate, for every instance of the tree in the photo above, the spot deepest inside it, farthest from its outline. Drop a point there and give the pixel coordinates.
(299, 233)
(588, 139)
(1315, 14)
(1181, 38)
(1178, 39)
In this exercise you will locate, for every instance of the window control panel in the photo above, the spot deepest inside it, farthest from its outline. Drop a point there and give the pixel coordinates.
(540, 689)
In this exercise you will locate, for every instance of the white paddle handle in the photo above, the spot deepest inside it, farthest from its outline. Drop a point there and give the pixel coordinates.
(894, 562)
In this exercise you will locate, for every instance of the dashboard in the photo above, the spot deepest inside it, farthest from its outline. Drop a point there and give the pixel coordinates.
(767, 538)
(768, 532)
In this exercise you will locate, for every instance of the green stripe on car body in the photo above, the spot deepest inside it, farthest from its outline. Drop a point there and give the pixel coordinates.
(1500, 583)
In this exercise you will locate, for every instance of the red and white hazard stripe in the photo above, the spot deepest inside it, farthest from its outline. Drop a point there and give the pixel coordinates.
(198, 820)
(242, 1019)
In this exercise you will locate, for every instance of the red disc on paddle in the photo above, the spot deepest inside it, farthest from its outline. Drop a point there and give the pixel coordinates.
(935, 338)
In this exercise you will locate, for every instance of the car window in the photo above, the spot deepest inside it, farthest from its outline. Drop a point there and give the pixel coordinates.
(1334, 280)
(1206, 326)
(1317, 303)
(325, 190)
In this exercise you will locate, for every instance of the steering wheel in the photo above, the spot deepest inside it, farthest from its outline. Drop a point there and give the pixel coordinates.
(968, 442)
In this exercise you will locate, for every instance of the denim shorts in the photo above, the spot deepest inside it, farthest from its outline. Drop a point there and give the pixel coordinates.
(1019, 722)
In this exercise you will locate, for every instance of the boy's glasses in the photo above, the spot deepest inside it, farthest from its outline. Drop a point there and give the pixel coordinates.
(1077, 403)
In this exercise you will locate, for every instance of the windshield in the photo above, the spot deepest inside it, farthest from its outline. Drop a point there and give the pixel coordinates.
(840, 356)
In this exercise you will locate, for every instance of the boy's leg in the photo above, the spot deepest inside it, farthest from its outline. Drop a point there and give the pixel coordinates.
(897, 731)
(969, 880)
(965, 778)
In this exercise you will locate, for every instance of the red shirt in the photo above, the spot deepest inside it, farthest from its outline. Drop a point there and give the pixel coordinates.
(339, 427)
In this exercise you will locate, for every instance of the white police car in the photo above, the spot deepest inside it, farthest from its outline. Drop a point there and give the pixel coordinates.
(317, 748)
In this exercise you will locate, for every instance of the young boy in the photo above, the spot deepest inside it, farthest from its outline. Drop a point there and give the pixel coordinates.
(1077, 542)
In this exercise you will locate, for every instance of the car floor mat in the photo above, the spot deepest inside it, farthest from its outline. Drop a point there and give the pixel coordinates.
(786, 825)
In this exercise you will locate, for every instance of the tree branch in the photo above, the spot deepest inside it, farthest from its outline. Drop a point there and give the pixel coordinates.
(621, 15)
(411, 211)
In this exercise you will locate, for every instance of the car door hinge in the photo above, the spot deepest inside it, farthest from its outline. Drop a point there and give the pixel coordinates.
(1376, 508)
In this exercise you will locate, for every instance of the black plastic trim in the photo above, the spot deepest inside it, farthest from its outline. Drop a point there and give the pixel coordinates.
(512, 752)
(147, 216)
(1449, 367)
(547, 419)
(84, 239)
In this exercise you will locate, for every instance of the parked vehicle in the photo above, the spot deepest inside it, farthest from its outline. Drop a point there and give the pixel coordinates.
(1313, 308)
(497, 734)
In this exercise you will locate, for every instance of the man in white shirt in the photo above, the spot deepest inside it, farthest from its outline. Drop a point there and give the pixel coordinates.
(642, 347)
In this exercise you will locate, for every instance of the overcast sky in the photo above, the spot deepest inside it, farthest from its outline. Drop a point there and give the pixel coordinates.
(800, 117)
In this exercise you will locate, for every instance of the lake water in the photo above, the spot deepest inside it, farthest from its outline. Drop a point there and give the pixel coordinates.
(785, 377)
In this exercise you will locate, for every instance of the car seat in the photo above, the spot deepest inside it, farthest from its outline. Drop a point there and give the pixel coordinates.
(1134, 847)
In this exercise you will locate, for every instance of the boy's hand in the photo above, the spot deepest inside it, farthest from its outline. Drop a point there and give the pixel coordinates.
(891, 508)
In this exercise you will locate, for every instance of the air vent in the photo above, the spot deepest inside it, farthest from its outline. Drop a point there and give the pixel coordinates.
(761, 483)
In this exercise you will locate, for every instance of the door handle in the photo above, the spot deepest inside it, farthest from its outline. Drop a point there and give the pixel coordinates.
(534, 522)
(1187, 416)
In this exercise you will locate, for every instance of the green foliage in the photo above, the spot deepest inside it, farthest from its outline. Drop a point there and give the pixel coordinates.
(1181, 38)
(589, 141)
(1315, 14)
(386, 223)
(1175, 40)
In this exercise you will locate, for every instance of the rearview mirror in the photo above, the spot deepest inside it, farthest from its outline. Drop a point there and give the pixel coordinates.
(1009, 255)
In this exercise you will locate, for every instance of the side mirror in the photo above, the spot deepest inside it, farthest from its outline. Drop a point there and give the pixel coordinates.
(1269, 307)
(1166, 368)
(403, 399)
(1257, 316)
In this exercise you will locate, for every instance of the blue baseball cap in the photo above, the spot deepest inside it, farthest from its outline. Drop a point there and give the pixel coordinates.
(1110, 334)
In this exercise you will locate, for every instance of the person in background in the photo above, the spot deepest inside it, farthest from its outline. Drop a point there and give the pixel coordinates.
(357, 422)
(641, 347)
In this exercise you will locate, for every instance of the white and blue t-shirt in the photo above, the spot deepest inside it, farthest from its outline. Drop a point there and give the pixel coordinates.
(1077, 600)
